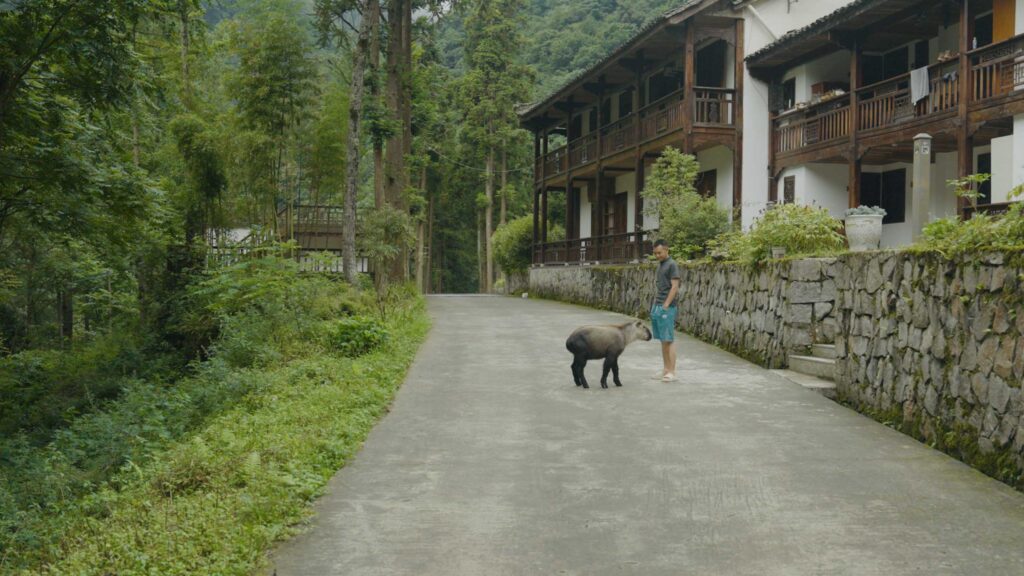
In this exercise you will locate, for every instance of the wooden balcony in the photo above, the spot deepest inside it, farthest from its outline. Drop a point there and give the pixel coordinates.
(711, 108)
(996, 79)
(612, 249)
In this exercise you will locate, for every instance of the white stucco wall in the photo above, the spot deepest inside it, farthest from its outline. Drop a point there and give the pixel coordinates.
(585, 213)
(943, 199)
(719, 159)
(627, 183)
(1017, 155)
(765, 22)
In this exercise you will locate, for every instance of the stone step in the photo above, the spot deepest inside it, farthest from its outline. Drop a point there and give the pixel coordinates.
(826, 351)
(824, 387)
(812, 366)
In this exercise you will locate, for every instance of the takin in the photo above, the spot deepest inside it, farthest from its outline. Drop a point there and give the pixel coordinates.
(608, 342)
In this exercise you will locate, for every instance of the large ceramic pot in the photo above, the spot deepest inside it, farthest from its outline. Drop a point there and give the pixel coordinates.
(864, 231)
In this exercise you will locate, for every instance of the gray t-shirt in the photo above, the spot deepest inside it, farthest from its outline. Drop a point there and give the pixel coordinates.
(667, 270)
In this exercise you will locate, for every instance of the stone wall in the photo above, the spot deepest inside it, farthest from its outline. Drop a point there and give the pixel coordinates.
(933, 347)
(937, 347)
(759, 314)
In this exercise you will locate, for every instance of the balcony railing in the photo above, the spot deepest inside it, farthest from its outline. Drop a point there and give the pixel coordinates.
(889, 102)
(711, 107)
(610, 249)
(998, 69)
(714, 106)
(823, 122)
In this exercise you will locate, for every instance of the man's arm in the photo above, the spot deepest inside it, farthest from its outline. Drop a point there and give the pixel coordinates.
(672, 293)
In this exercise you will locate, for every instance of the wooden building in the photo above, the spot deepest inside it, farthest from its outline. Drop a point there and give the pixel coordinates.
(823, 112)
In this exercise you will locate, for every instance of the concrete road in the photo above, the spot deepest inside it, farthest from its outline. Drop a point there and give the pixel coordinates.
(492, 462)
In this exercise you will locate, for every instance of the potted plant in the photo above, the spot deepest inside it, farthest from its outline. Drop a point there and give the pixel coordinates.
(864, 227)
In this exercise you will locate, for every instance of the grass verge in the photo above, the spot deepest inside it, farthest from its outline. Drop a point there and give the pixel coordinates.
(215, 502)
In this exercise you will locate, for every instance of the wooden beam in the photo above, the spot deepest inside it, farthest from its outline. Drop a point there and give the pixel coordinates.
(856, 78)
(965, 150)
(737, 111)
(688, 84)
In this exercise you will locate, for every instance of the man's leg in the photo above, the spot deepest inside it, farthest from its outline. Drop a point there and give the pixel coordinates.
(668, 357)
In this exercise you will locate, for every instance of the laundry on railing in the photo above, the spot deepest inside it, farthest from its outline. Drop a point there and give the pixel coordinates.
(920, 84)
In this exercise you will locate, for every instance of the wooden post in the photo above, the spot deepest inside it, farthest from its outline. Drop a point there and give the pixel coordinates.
(773, 189)
(965, 145)
(568, 172)
(688, 92)
(737, 114)
(856, 75)
(638, 212)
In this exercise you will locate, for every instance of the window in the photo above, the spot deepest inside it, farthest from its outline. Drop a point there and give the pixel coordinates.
(606, 111)
(789, 190)
(707, 183)
(985, 188)
(983, 30)
(663, 84)
(921, 54)
(789, 94)
(576, 126)
(710, 65)
(592, 119)
(888, 190)
(626, 103)
(895, 63)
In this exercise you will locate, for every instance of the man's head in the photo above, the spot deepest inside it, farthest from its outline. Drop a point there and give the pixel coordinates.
(660, 250)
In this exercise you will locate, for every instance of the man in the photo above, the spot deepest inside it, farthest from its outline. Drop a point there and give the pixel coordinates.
(663, 311)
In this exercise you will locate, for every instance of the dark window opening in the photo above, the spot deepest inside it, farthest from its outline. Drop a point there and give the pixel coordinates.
(873, 69)
(983, 30)
(707, 184)
(888, 190)
(789, 94)
(592, 119)
(663, 84)
(606, 111)
(626, 103)
(576, 127)
(985, 188)
(789, 190)
(895, 63)
(710, 65)
(921, 54)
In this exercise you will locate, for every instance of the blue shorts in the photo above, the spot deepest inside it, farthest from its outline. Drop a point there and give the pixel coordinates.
(663, 323)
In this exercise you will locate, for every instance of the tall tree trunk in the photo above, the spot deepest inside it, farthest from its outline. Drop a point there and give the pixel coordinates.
(489, 221)
(378, 146)
(481, 266)
(348, 231)
(183, 16)
(421, 226)
(504, 185)
(397, 179)
(430, 245)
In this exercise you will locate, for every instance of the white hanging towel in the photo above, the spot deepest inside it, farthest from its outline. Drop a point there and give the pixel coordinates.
(920, 84)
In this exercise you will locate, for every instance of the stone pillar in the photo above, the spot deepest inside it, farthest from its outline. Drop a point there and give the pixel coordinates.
(920, 206)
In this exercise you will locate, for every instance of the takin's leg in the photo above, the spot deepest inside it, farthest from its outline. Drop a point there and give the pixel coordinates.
(615, 369)
(608, 363)
(576, 372)
(581, 364)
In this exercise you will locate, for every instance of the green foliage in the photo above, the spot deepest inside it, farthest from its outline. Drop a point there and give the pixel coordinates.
(969, 187)
(686, 220)
(358, 335)
(265, 319)
(513, 245)
(982, 232)
(801, 230)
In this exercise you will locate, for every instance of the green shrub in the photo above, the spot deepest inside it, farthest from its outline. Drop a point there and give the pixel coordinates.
(953, 237)
(801, 230)
(686, 220)
(358, 335)
(513, 245)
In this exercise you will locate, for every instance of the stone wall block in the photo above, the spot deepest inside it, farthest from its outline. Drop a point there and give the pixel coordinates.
(979, 387)
(987, 355)
(998, 394)
(1003, 366)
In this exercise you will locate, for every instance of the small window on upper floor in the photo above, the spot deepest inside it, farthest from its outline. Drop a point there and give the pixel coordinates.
(789, 94)
(983, 30)
(626, 103)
